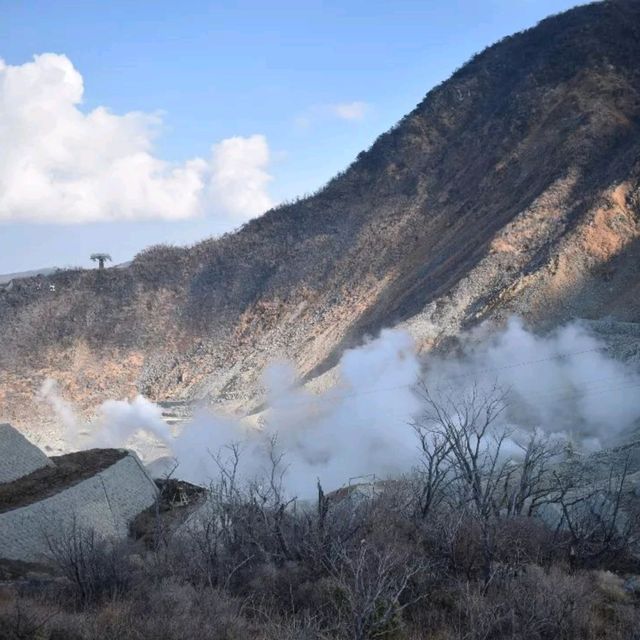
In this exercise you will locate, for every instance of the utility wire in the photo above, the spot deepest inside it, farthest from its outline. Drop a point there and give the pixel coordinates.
(513, 365)
(338, 396)
(570, 396)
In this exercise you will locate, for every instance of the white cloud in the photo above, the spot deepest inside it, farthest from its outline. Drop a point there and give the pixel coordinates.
(349, 110)
(239, 178)
(61, 165)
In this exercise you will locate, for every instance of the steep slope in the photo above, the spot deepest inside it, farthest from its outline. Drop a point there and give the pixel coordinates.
(512, 187)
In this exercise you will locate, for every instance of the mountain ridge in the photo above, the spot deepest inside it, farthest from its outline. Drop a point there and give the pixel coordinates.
(513, 187)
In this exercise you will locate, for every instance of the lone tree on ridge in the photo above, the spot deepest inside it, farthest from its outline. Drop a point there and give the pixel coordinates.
(101, 258)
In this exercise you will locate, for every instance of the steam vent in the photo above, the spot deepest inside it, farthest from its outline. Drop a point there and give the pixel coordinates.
(99, 489)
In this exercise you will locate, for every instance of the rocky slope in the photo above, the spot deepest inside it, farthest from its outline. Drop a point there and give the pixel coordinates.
(512, 187)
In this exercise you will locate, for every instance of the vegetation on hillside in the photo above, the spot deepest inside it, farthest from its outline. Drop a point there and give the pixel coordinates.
(478, 543)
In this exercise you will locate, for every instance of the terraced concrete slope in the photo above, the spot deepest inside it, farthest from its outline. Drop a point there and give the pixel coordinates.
(101, 490)
(512, 187)
(18, 457)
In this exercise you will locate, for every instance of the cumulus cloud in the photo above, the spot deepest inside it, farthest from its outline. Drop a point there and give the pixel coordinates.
(239, 176)
(62, 165)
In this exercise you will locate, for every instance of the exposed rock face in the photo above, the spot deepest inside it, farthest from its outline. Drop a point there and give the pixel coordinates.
(514, 187)
(18, 457)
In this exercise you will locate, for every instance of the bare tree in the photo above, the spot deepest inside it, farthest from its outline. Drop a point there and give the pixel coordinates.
(600, 518)
(268, 498)
(465, 431)
(372, 582)
(532, 483)
(469, 441)
(96, 566)
(244, 522)
(466, 465)
(214, 532)
(435, 473)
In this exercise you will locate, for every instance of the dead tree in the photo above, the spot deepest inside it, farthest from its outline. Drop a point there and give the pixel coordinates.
(96, 566)
(596, 512)
(466, 439)
(435, 473)
(533, 484)
(372, 582)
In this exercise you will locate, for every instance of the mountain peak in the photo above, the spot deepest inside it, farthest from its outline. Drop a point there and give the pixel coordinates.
(513, 187)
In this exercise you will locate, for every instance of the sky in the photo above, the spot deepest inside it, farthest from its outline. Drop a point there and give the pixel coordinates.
(128, 124)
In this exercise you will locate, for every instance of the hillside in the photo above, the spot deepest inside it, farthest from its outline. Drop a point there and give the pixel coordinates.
(512, 187)
(7, 277)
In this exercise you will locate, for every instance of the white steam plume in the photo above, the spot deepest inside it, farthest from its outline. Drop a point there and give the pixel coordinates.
(564, 383)
(347, 431)
(49, 392)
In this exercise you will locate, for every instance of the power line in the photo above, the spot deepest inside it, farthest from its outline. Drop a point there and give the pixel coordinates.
(336, 397)
(631, 382)
(513, 365)
(405, 418)
(569, 396)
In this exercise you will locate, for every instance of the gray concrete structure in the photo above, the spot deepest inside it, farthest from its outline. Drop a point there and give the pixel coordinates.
(18, 457)
(106, 503)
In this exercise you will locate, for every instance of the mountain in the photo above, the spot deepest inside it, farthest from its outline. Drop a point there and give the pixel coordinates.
(513, 187)
(7, 277)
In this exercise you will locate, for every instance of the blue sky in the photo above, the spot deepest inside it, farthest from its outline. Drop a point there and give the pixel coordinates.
(296, 89)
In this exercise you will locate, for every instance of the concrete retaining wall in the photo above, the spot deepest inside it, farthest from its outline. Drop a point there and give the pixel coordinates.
(106, 502)
(18, 457)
